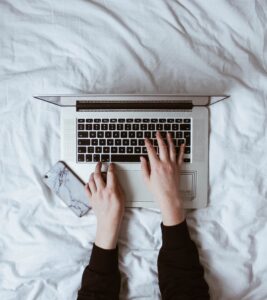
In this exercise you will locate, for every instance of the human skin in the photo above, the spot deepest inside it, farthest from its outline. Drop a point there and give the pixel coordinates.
(161, 174)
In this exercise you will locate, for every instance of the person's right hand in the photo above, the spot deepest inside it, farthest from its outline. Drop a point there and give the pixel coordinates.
(162, 175)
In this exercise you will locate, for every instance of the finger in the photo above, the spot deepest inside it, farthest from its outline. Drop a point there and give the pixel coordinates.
(111, 175)
(152, 155)
(172, 151)
(92, 184)
(144, 168)
(163, 151)
(180, 158)
(98, 177)
(87, 190)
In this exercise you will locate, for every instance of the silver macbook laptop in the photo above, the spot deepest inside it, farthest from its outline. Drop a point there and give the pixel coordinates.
(111, 128)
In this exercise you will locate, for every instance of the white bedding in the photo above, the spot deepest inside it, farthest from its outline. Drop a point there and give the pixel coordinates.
(152, 46)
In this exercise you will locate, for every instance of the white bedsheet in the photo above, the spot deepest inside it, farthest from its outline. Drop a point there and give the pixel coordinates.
(152, 46)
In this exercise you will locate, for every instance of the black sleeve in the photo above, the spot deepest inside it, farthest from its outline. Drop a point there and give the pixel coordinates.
(180, 274)
(101, 278)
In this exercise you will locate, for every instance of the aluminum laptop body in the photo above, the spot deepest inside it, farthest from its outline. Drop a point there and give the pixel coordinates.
(194, 174)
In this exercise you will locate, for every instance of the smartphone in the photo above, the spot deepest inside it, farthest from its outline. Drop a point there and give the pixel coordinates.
(69, 187)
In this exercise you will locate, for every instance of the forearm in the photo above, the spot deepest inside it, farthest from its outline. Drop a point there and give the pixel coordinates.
(101, 278)
(179, 269)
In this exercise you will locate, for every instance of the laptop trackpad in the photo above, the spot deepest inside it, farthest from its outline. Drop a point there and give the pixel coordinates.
(135, 188)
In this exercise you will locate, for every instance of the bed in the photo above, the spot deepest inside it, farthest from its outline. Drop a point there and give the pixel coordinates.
(162, 46)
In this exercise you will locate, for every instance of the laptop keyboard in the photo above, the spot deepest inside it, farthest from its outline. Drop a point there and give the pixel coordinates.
(122, 140)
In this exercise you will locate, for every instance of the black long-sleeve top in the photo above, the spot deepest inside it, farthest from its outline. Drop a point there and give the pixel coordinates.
(179, 271)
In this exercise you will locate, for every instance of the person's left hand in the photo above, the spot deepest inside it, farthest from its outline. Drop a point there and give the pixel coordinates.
(107, 200)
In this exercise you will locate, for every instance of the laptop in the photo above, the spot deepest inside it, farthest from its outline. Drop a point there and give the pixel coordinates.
(111, 128)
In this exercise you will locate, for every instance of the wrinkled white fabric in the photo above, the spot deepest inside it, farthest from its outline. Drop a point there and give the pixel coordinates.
(152, 46)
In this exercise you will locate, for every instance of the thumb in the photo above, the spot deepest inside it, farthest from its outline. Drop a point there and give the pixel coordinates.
(144, 168)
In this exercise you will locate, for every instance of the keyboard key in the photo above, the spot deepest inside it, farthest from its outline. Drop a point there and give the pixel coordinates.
(129, 149)
(95, 142)
(102, 142)
(80, 127)
(116, 134)
(98, 149)
(119, 126)
(154, 120)
(125, 158)
(84, 142)
(135, 126)
(187, 141)
(143, 127)
(118, 142)
(187, 120)
(105, 157)
(105, 120)
(81, 120)
(180, 142)
(88, 157)
(97, 120)
(175, 127)
(113, 120)
(187, 134)
(131, 134)
(162, 120)
(90, 149)
(106, 149)
(110, 142)
(100, 134)
(89, 126)
(125, 142)
(151, 126)
(185, 127)
(170, 120)
(108, 134)
(139, 134)
(96, 157)
(121, 120)
(128, 127)
(187, 160)
(133, 142)
(137, 120)
(80, 157)
(89, 120)
(114, 149)
(163, 134)
(96, 126)
(82, 134)
(167, 127)
(92, 134)
(141, 142)
(147, 134)
(144, 150)
(81, 149)
(129, 120)
(159, 127)
(104, 126)
(154, 134)
(137, 149)
(112, 126)
(178, 120)
(179, 134)
(187, 150)
(121, 149)
(124, 134)
(145, 120)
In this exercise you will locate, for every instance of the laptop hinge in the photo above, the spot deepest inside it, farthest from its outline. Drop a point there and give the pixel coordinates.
(85, 105)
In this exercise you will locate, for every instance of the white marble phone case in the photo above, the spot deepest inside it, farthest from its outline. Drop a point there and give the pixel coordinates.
(61, 180)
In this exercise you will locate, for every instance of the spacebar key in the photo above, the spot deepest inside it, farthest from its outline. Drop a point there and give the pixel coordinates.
(125, 158)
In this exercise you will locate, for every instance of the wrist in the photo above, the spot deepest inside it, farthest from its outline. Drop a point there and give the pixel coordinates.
(173, 214)
(107, 236)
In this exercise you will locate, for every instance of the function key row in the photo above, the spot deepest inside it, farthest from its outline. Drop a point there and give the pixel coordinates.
(134, 120)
